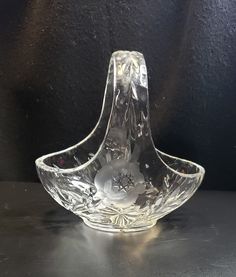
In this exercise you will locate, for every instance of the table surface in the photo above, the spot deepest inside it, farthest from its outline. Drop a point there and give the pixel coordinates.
(40, 238)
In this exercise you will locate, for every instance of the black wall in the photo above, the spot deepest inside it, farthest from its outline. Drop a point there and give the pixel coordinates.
(53, 61)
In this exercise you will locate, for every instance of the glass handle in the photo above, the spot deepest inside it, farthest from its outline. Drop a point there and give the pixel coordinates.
(129, 119)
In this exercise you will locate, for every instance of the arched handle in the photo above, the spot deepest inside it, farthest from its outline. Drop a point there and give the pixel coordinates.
(129, 119)
(127, 76)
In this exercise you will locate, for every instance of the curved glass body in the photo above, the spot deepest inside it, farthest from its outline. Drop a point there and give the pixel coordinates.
(115, 179)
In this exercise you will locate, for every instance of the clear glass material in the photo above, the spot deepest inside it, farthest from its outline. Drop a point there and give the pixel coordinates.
(115, 179)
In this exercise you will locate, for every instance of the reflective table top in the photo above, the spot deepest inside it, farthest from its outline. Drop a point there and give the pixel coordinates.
(40, 238)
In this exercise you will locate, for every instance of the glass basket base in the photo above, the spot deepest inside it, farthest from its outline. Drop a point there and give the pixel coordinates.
(116, 229)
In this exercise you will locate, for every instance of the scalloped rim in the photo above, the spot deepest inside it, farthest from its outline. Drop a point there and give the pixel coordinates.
(41, 164)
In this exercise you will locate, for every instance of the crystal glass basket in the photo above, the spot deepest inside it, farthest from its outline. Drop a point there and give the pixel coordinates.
(115, 179)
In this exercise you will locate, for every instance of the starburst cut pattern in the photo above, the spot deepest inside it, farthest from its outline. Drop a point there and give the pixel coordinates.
(123, 182)
(123, 218)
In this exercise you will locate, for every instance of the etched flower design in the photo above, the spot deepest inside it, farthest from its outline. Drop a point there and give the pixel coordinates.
(119, 183)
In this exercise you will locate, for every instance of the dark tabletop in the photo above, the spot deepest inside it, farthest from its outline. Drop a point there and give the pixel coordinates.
(40, 238)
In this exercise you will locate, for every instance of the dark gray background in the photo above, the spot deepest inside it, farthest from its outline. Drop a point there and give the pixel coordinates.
(53, 61)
